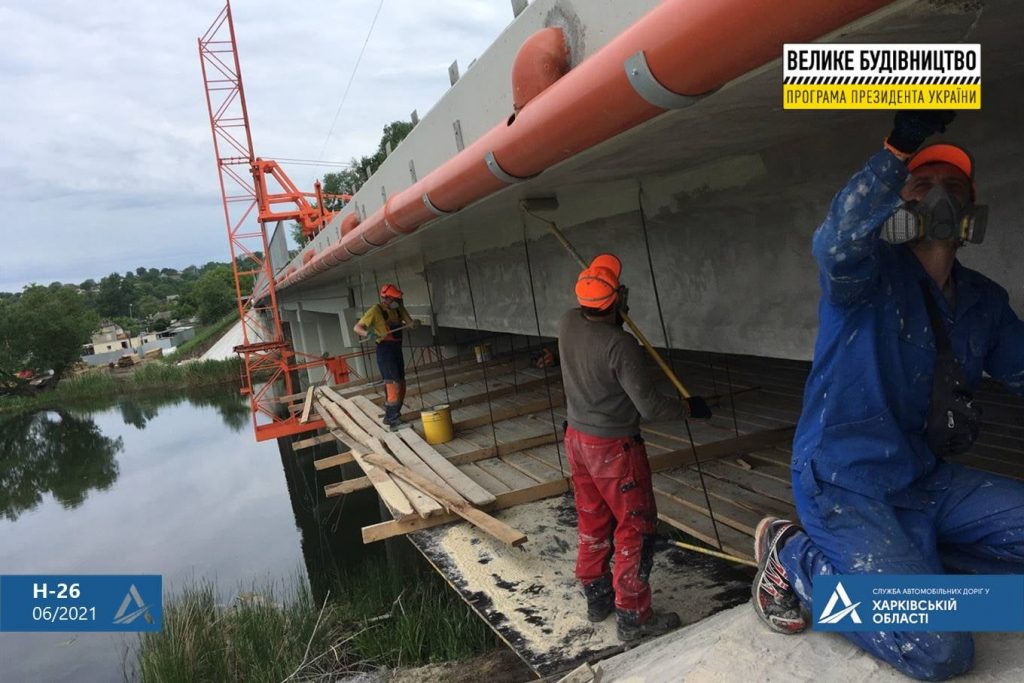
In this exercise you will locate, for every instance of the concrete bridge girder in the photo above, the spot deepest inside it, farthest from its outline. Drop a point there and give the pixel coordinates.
(733, 188)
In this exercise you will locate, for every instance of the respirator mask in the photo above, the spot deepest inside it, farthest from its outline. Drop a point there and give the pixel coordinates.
(936, 217)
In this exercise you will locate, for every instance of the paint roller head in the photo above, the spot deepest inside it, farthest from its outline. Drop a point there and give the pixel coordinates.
(538, 204)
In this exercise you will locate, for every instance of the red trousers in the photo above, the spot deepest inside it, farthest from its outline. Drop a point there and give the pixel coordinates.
(616, 511)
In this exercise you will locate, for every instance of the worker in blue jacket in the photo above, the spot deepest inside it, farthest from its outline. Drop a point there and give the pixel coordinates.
(905, 332)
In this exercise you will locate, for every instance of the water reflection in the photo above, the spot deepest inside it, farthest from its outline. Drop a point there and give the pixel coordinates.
(65, 454)
(172, 485)
(55, 453)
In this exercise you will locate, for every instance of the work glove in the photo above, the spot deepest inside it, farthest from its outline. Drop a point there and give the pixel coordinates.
(371, 335)
(415, 323)
(699, 409)
(912, 128)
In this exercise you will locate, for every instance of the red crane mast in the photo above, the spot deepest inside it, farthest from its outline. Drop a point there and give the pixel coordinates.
(247, 185)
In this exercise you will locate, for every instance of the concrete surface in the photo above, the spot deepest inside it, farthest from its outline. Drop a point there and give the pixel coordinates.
(732, 187)
(530, 597)
(734, 645)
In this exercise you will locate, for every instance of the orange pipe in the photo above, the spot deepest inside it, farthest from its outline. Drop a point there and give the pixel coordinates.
(542, 60)
(691, 47)
(349, 223)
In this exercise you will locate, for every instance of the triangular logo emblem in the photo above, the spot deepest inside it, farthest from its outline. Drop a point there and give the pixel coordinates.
(141, 609)
(829, 616)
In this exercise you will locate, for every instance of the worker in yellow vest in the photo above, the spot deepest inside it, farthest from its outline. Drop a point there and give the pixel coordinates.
(383, 324)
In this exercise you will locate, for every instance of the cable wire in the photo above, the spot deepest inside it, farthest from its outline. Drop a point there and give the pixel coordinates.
(665, 338)
(352, 76)
(433, 329)
(540, 343)
(483, 365)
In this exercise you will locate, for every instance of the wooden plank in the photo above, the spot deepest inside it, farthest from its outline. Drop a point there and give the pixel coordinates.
(390, 529)
(724, 447)
(367, 423)
(699, 526)
(333, 460)
(475, 399)
(738, 518)
(557, 399)
(478, 518)
(307, 405)
(506, 450)
(388, 491)
(723, 489)
(408, 457)
(506, 474)
(766, 486)
(312, 441)
(361, 383)
(469, 489)
(484, 479)
(348, 486)
(423, 504)
(528, 465)
(416, 389)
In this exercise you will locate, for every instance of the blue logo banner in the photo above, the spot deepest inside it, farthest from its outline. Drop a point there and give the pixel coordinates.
(88, 602)
(918, 602)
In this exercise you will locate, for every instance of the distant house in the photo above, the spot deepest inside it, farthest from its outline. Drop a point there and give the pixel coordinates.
(111, 342)
(112, 337)
(108, 344)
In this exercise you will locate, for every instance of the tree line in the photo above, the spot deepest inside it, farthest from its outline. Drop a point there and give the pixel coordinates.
(43, 327)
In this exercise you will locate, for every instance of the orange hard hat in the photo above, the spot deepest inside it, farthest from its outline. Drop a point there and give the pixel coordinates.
(390, 291)
(609, 261)
(945, 153)
(597, 287)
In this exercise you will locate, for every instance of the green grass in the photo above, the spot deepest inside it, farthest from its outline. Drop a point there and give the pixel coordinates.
(378, 617)
(204, 339)
(150, 376)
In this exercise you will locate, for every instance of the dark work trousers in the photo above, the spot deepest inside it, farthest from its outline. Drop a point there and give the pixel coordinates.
(616, 511)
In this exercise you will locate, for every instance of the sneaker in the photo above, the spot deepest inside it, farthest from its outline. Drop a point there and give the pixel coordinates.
(658, 623)
(600, 599)
(775, 601)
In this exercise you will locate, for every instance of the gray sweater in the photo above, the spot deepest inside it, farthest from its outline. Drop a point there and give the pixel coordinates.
(607, 388)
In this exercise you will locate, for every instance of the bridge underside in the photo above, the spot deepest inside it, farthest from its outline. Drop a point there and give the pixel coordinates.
(730, 191)
(714, 206)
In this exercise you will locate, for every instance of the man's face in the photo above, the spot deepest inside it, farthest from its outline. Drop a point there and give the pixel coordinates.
(924, 178)
(386, 300)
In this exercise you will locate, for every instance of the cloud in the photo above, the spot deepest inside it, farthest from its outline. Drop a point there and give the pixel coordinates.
(106, 153)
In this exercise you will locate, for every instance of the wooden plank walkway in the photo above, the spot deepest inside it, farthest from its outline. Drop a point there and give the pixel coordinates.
(508, 433)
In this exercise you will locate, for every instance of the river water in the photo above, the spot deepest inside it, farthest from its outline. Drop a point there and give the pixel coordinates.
(175, 485)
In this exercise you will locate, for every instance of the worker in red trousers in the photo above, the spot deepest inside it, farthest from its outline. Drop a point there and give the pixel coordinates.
(608, 390)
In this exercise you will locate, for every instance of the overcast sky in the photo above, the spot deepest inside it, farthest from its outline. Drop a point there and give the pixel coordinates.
(106, 159)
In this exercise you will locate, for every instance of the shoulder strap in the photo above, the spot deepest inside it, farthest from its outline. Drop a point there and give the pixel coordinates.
(942, 344)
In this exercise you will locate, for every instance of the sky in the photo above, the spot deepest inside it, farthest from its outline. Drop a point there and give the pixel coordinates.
(106, 155)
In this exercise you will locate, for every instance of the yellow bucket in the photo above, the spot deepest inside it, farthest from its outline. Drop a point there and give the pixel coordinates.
(437, 424)
(483, 353)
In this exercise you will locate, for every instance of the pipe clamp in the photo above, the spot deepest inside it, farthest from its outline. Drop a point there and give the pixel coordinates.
(638, 71)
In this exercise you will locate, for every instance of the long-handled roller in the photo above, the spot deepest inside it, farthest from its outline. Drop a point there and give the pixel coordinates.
(550, 204)
(697, 549)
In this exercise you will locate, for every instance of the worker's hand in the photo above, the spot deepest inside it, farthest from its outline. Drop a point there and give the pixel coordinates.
(624, 299)
(371, 335)
(415, 323)
(912, 128)
(698, 408)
